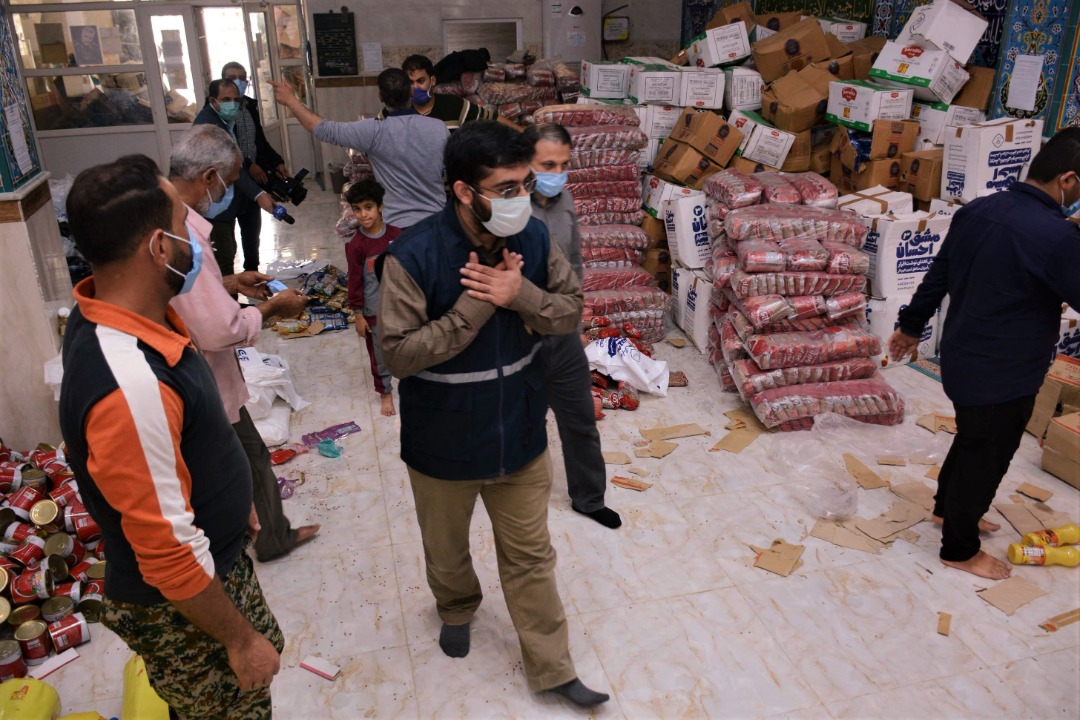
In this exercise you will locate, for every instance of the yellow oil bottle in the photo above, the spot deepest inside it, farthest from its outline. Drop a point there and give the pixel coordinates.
(1038, 555)
(1064, 535)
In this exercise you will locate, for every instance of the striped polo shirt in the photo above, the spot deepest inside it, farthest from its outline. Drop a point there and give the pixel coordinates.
(158, 464)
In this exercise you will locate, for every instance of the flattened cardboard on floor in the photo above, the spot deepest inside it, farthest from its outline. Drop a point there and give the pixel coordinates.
(933, 473)
(893, 460)
(670, 432)
(782, 558)
(936, 422)
(1034, 492)
(631, 483)
(656, 449)
(944, 622)
(863, 475)
(838, 533)
(915, 492)
(615, 458)
(1028, 517)
(1010, 595)
(1059, 621)
(901, 516)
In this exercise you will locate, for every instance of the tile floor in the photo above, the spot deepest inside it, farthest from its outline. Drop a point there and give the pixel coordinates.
(667, 613)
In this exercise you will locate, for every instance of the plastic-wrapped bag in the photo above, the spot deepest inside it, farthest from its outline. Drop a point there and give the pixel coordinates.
(745, 328)
(804, 254)
(786, 283)
(631, 299)
(620, 359)
(515, 71)
(846, 260)
(589, 115)
(761, 310)
(760, 256)
(776, 222)
(733, 188)
(608, 278)
(454, 88)
(494, 73)
(810, 348)
(751, 379)
(871, 400)
(605, 173)
(606, 204)
(593, 158)
(567, 81)
(722, 264)
(620, 236)
(813, 189)
(612, 218)
(594, 255)
(470, 82)
(501, 93)
(607, 137)
(540, 74)
(609, 188)
(777, 189)
(851, 304)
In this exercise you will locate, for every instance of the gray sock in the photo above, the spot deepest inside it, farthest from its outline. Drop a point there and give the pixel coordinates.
(454, 640)
(576, 692)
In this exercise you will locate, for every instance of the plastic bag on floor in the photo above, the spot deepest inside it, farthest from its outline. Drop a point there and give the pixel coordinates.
(274, 425)
(620, 359)
(267, 377)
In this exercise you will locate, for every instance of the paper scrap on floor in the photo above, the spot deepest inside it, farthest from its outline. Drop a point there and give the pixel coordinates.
(676, 342)
(1031, 517)
(781, 558)
(894, 460)
(1010, 595)
(1034, 492)
(933, 473)
(915, 492)
(631, 483)
(640, 472)
(887, 526)
(936, 422)
(745, 429)
(1059, 621)
(677, 378)
(615, 458)
(321, 667)
(944, 622)
(656, 449)
(672, 432)
(867, 478)
(840, 534)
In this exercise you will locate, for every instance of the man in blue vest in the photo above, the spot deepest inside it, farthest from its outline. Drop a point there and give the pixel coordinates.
(466, 295)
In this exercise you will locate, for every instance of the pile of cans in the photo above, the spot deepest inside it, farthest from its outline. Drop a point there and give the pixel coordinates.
(52, 560)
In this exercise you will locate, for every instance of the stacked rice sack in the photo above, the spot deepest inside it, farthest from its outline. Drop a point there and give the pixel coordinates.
(788, 310)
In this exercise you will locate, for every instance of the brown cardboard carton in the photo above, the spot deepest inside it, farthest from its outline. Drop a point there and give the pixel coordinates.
(655, 229)
(1061, 466)
(1060, 390)
(977, 90)
(776, 22)
(864, 52)
(708, 133)
(657, 260)
(1063, 435)
(749, 167)
(791, 49)
(821, 148)
(734, 13)
(797, 101)
(920, 174)
(798, 158)
(889, 139)
(877, 172)
(842, 68)
(681, 164)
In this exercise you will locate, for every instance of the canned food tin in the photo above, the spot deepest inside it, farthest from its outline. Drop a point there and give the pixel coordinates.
(86, 528)
(79, 571)
(71, 589)
(44, 514)
(44, 453)
(57, 566)
(8, 546)
(60, 544)
(59, 477)
(34, 478)
(23, 614)
(69, 632)
(33, 585)
(65, 493)
(23, 499)
(33, 637)
(19, 531)
(10, 479)
(73, 509)
(97, 571)
(57, 608)
(93, 596)
(56, 470)
(12, 664)
(5, 610)
(30, 552)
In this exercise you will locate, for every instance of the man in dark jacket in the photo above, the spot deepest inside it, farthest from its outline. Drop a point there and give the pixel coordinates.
(1007, 264)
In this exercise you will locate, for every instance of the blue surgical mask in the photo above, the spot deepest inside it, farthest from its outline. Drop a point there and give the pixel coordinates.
(420, 96)
(228, 110)
(196, 261)
(550, 184)
(241, 85)
(216, 208)
(1069, 211)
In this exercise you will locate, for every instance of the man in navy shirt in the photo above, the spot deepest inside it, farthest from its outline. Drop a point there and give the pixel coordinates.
(1008, 263)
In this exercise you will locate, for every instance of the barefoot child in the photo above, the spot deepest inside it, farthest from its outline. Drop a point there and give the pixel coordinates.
(372, 239)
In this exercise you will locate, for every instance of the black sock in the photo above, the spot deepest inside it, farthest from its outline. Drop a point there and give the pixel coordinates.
(605, 516)
(454, 640)
(577, 693)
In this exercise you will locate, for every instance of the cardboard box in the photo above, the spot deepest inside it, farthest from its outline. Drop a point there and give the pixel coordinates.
(920, 173)
(858, 103)
(736, 12)
(663, 280)
(688, 231)
(769, 25)
(932, 74)
(708, 133)
(798, 157)
(681, 280)
(883, 315)
(988, 157)
(656, 230)
(841, 68)
(947, 26)
(657, 260)
(655, 192)
(742, 89)
(944, 207)
(845, 30)
(978, 89)
(821, 148)
(1061, 466)
(602, 79)
(649, 152)
(1069, 337)
(902, 248)
(702, 88)
(889, 139)
(797, 101)
(719, 46)
(1059, 394)
(863, 54)
(695, 316)
(643, 61)
(749, 167)
(1063, 437)
(935, 117)
(762, 143)
(877, 200)
(683, 165)
(655, 84)
(792, 49)
(658, 120)
(877, 172)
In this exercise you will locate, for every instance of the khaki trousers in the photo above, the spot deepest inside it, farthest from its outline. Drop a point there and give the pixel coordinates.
(517, 504)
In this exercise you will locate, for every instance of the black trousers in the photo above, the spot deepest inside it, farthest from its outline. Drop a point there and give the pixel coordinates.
(566, 381)
(250, 221)
(986, 439)
(276, 536)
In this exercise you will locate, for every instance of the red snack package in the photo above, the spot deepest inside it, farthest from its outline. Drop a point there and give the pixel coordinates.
(631, 332)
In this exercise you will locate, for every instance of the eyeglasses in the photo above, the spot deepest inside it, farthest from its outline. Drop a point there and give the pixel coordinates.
(512, 192)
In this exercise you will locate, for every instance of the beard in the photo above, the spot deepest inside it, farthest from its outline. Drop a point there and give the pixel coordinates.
(175, 281)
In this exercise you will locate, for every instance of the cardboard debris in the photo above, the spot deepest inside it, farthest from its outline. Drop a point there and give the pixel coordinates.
(915, 492)
(1029, 517)
(656, 449)
(631, 483)
(676, 341)
(742, 419)
(909, 536)
(887, 526)
(838, 533)
(615, 458)
(863, 475)
(894, 460)
(736, 441)
(1059, 621)
(53, 664)
(922, 460)
(1010, 595)
(677, 378)
(321, 667)
(782, 558)
(638, 471)
(933, 473)
(936, 422)
(1034, 492)
(313, 329)
(672, 431)
(944, 620)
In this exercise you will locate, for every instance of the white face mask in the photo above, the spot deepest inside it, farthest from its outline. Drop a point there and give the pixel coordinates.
(508, 217)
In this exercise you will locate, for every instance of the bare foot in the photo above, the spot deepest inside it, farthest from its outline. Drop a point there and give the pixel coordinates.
(982, 565)
(387, 408)
(984, 525)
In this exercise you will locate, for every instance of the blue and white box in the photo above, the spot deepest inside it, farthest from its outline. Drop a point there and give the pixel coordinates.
(988, 157)
(687, 225)
(902, 248)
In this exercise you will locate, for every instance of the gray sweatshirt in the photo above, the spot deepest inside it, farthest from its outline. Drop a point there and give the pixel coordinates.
(562, 225)
(406, 153)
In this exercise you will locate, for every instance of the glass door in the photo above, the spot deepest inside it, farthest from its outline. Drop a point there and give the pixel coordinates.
(176, 87)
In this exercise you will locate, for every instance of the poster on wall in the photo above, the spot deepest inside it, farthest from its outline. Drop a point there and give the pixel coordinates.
(335, 44)
(19, 160)
(86, 45)
(1034, 28)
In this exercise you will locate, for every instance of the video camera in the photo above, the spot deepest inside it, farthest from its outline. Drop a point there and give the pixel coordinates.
(287, 190)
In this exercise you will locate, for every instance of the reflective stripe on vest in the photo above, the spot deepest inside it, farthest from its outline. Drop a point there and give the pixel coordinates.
(482, 375)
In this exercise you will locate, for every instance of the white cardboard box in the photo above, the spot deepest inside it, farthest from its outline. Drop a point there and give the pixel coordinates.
(988, 157)
(649, 152)
(883, 314)
(696, 317)
(742, 89)
(654, 84)
(1069, 338)
(902, 248)
(761, 143)
(688, 231)
(681, 280)
(657, 121)
(655, 192)
(718, 46)
(935, 117)
(702, 88)
(858, 103)
(846, 30)
(602, 79)
(877, 200)
(945, 25)
(932, 74)
(944, 207)
(648, 60)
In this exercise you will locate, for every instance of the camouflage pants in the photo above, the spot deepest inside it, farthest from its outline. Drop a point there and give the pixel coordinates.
(188, 668)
